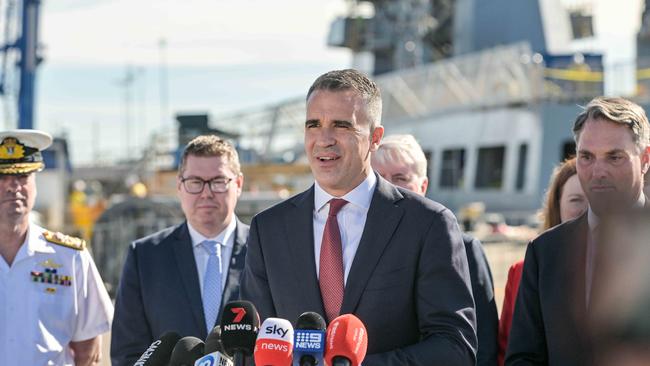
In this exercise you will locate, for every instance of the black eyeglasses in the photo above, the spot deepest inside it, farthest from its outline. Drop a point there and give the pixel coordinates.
(195, 185)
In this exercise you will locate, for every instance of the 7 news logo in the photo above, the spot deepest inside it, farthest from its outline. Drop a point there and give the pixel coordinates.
(239, 315)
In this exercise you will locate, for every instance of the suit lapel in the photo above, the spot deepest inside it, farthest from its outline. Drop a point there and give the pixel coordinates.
(231, 291)
(187, 271)
(382, 220)
(575, 267)
(299, 226)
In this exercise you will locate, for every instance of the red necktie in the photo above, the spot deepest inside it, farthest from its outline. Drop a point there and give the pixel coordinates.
(331, 262)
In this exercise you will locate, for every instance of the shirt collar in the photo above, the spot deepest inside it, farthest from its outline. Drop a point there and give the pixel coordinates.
(35, 242)
(360, 196)
(224, 237)
(593, 219)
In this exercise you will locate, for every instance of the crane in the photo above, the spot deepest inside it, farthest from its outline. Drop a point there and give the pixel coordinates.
(20, 42)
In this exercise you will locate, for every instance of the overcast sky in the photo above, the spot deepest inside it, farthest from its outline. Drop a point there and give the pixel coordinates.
(222, 56)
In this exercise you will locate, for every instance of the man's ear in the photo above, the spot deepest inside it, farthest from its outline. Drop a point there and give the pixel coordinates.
(375, 138)
(240, 183)
(424, 186)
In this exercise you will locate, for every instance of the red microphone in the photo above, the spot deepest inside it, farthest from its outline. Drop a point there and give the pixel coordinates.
(274, 345)
(346, 341)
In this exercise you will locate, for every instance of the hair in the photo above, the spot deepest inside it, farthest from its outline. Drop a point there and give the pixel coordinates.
(350, 79)
(616, 110)
(551, 210)
(210, 145)
(403, 149)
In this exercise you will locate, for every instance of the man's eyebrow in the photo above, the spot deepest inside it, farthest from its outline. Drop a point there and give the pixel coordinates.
(207, 180)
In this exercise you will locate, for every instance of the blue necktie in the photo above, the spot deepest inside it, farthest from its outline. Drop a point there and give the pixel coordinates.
(212, 283)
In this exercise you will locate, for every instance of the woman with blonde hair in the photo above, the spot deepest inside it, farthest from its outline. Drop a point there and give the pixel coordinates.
(565, 200)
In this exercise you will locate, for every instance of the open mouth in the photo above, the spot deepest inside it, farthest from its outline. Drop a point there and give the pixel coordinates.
(327, 158)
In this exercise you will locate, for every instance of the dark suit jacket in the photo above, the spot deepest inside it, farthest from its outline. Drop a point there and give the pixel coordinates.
(159, 291)
(408, 283)
(548, 322)
(487, 318)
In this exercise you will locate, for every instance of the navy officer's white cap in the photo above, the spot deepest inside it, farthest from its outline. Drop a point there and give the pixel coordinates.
(20, 151)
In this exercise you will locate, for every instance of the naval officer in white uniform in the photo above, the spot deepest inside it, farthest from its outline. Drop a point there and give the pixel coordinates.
(53, 304)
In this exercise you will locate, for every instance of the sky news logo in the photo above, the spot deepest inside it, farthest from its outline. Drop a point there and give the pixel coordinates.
(309, 340)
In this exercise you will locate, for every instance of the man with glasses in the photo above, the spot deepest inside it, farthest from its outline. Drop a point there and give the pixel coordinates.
(178, 279)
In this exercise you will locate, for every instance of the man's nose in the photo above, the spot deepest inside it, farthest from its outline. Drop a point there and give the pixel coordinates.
(599, 169)
(326, 137)
(206, 191)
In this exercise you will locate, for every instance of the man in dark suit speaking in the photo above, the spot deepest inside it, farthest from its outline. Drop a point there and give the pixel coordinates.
(179, 279)
(354, 243)
(548, 326)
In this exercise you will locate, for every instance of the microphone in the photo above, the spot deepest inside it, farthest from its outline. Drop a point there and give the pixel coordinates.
(239, 326)
(274, 345)
(186, 351)
(347, 341)
(215, 355)
(309, 340)
(159, 351)
(213, 341)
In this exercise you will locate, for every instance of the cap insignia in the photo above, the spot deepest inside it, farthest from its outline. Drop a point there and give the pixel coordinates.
(10, 148)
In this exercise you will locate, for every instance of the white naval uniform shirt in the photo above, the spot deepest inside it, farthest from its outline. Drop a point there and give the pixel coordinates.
(37, 319)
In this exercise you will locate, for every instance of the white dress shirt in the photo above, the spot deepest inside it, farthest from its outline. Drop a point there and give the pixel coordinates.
(351, 219)
(226, 239)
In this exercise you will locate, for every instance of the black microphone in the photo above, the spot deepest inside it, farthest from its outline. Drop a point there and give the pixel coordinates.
(186, 351)
(159, 351)
(239, 326)
(213, 342)
(215, 355)
(309, 342)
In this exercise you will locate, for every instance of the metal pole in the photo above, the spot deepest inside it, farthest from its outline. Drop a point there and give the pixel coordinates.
(28, 61)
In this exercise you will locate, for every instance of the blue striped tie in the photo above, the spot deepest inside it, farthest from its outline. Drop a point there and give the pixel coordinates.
(212, 283)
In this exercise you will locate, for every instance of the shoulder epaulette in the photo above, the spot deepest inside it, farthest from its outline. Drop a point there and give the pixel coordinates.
(64, 240)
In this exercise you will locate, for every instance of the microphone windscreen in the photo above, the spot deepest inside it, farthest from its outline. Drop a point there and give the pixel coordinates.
(187, 350)
(274, 345)
(311, 320)
(239, 326)
(214, 359)
(309, 339)
(159, 351)
(213, 342)
(347, 337)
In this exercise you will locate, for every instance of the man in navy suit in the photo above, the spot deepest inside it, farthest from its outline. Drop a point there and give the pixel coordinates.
(179, 279)
(401, 161)
(354, 243)
(549, 323)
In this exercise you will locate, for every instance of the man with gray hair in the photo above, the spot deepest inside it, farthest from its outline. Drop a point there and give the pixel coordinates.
(354, 243)
(401, 161)
(548, 326)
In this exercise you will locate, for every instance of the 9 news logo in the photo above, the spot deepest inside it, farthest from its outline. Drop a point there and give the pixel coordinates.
(309, 340)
